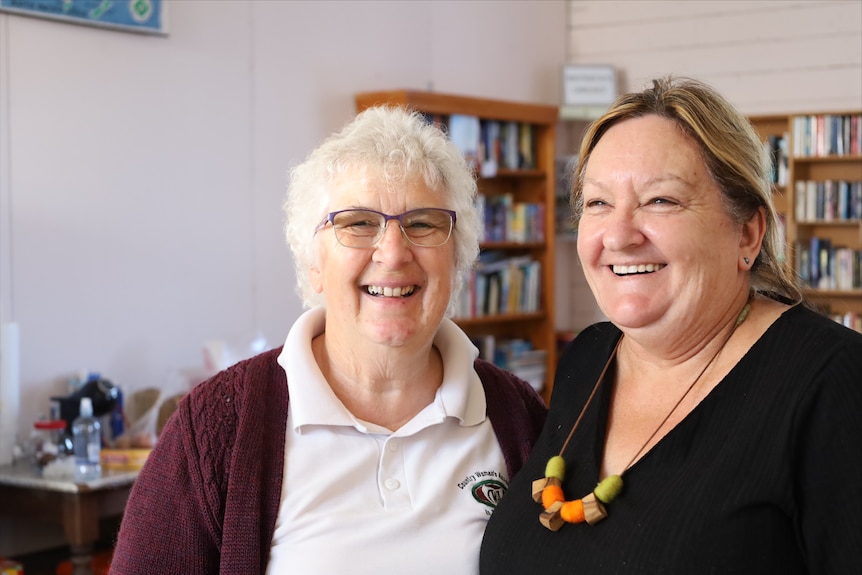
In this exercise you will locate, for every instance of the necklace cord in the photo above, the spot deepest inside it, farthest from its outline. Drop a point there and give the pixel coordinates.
(590, 398)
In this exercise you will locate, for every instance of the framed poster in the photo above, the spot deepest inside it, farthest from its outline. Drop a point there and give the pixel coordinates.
(589, 85)
(146, 16)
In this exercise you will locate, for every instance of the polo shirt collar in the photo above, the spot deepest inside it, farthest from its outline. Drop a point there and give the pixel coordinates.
(312, 401)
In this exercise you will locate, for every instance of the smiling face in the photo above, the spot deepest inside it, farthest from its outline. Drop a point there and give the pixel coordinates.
(657, 247)
(392, 294)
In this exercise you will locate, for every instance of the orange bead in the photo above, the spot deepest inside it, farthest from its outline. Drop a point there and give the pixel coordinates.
(572, 511)
(552, 494)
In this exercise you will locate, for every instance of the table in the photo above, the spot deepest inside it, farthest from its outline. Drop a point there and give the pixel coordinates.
(76, 506)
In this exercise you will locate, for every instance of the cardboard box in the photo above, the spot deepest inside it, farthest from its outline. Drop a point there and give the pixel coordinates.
(124, 459)
(10, 567)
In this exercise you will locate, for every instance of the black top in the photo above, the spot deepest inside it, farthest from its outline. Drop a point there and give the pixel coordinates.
(763, 476)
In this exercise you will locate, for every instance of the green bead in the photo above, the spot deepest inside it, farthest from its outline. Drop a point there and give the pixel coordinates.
(609, 488)
(556, 467)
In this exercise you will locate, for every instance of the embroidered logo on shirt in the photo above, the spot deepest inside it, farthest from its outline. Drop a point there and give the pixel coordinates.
(487, 487)
(489, 492)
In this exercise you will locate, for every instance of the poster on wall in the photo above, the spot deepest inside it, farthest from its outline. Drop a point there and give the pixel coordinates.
(147, 16)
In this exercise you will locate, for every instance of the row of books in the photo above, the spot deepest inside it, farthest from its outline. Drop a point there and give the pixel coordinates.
(516, 355)
(777, 146)
(819, 135)
(501, 285)
(825, 266)
(828, 201)
(506, 220)
(850, 319)
(508, 145)
(491, 145)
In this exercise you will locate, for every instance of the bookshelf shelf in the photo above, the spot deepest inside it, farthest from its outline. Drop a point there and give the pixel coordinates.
(831, 223)
(511, 245)
(820, 199)
(827, 293)
(503, 173)
(500, 318)
(849, 159)
(532, 185)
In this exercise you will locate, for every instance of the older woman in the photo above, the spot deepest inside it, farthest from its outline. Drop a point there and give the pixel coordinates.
(397, 442)
(713, 425)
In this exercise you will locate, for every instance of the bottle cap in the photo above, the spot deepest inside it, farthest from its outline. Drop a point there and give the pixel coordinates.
(50, 424)
(86, 407)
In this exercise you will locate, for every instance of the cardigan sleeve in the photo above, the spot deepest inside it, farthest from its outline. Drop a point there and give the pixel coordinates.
(207, 498)
(169, 525)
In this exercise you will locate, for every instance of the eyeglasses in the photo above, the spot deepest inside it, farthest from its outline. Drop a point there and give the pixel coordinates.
(355, 228)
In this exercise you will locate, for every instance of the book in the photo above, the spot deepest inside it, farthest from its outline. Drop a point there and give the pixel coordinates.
(509, 145)
(781, 248)
(464, 131)
(526, 148)
(843, 268)
(801, 200)
(490, 162)
(811, 201)
(826, 271)
(486, 344)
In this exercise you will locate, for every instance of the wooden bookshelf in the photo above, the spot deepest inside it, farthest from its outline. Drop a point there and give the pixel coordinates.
(812, 163)
(532, 185)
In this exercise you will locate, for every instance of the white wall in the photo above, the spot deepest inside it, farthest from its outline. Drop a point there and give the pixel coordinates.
(766, 56)
(142, 176)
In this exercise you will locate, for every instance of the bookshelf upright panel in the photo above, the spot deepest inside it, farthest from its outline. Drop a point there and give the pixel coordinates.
(529, 189)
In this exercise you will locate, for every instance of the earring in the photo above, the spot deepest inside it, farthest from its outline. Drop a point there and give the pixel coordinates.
(745, 260)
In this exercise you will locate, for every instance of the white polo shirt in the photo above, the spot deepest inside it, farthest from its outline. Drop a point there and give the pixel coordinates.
(357, 498)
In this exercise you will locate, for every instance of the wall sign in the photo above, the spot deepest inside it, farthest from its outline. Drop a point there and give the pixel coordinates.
(589, 85)
(147, 16)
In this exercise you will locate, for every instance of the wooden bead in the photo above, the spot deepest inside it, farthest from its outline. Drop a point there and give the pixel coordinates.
(540, 484)
(551, 518)
(594, 511)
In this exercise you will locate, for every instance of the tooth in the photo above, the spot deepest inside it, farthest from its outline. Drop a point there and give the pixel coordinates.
(636, 269)
(390, 291)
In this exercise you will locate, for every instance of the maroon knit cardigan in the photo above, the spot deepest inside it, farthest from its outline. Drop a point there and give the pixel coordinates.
(208, 497)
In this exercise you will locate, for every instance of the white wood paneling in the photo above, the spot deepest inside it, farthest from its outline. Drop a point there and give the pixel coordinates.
(768, 56)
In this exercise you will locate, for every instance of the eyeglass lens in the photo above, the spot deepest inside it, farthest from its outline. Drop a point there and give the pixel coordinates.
(363, 228)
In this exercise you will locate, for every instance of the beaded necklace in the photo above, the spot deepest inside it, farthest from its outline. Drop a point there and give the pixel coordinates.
(591, 508)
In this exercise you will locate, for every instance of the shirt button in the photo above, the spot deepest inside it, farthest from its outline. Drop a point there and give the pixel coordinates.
(392, 484)
(393, 445)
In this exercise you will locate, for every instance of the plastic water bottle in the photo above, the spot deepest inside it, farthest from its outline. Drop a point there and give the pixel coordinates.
(87, 441)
